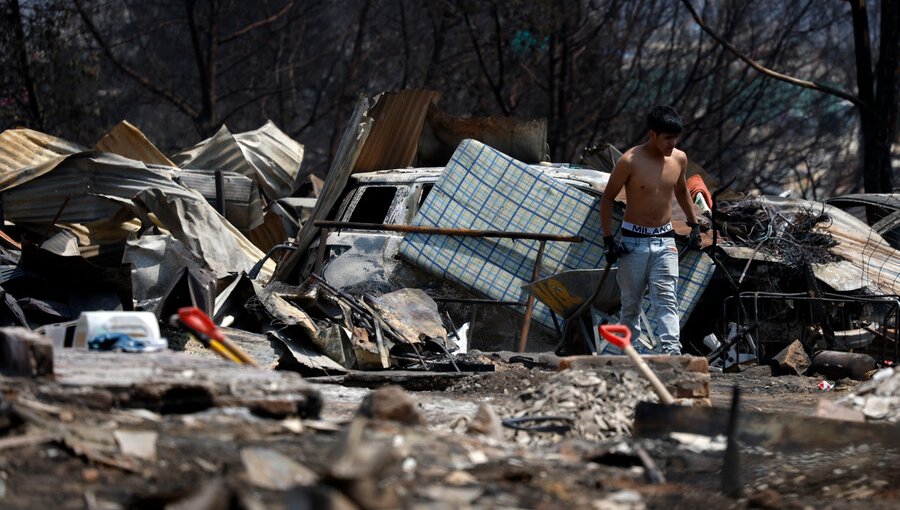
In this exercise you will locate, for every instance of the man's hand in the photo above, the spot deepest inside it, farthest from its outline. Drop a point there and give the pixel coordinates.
(694, 239)
(612, 249)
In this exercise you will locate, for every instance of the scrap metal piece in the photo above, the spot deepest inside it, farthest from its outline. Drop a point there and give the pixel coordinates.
(412, 314)
(160, 264)
(267, 155)
(348, 150)
(523, 139)
(127, 140)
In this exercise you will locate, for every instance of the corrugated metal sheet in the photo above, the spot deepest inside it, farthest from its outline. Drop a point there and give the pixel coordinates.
(243, 206)
(521, 139)
(877, 263)
(98, 184)
(353, 139)
(267, 155)
(26, 154)
(127, 140)
(276, 157)
(398, 118)
(84, 178)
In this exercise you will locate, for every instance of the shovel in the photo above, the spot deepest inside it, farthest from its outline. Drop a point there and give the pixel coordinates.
(620, 336)
(205, 330)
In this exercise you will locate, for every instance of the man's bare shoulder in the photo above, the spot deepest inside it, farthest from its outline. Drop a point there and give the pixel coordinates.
(626, 160)
(680, 156)
(628, 157)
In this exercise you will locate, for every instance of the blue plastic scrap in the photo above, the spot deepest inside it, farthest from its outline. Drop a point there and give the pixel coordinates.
(124, 343)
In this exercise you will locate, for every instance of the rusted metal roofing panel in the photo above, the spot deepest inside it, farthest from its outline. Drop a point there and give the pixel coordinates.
(26, 154)
(521, 139)
(267, 155)
(353, 139)
(96, 185)
(398, 118)
(127, 140)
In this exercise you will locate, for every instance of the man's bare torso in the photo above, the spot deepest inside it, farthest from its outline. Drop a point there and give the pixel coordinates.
(651, 185)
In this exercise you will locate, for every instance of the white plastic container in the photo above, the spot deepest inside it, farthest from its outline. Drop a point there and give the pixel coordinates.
(137, 325)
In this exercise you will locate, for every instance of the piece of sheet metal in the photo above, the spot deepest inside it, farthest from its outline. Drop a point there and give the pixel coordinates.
(565, 292)
(341, 168)
(127, 140)
(243, 206)
(95, 185)
(398, 118)
(26, 154)
(522, 139)
(267, 155)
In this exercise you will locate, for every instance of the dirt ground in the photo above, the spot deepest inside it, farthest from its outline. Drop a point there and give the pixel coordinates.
(436, 465)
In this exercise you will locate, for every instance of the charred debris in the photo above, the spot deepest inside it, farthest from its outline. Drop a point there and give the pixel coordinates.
(415, 249)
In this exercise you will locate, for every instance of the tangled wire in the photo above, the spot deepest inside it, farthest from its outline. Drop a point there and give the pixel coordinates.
(797, 241)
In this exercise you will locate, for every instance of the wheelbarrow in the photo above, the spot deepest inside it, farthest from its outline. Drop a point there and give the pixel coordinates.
(571, 293)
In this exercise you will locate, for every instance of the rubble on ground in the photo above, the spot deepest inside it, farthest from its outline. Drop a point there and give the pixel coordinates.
(415, 283)
(877, 399)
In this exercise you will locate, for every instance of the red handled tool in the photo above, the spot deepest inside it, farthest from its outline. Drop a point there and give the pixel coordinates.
(620, 336)
(205, 330)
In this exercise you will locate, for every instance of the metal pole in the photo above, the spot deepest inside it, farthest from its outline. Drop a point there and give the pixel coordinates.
(220, 192)
(462, 232)
(529, 306)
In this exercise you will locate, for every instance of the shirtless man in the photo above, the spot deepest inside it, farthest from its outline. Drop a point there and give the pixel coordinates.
(651, 173)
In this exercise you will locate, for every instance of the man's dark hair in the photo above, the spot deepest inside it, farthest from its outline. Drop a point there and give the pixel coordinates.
(664, 119)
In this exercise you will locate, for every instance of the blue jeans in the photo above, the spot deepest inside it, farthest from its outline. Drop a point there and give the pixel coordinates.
(653, 262)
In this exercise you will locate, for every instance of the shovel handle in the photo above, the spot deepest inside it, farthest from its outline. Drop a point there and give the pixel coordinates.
(620, 335)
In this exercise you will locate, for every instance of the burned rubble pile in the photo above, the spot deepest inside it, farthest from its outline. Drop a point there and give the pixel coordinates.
(600, 404)
(796, 240)
(878, 399)
(291, 308)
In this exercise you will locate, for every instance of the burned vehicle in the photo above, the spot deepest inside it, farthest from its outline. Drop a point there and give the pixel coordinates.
(367, 260)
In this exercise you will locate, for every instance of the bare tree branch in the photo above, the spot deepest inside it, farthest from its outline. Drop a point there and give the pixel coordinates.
(769, 72)
(261, 23)
(169, 96)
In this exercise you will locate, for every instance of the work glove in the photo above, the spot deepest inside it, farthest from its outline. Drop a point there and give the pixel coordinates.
(694, 239)
(612, 249)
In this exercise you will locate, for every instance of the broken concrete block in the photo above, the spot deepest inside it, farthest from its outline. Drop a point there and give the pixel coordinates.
(486, 422)
(829, 409)
(792, 360)
(878, 407)
(391, 403)
(25, 354)
(271, 470)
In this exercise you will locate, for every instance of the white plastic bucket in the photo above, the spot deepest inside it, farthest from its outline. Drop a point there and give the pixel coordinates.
(137, 325)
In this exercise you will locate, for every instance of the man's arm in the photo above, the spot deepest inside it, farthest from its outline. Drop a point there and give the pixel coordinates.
(683, 196)
(617, 180)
